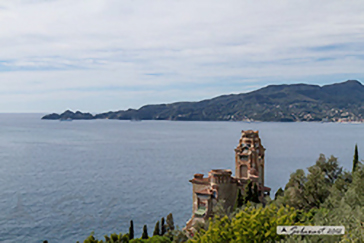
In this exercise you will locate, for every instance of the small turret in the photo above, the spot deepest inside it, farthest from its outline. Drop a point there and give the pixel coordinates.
(220, 176)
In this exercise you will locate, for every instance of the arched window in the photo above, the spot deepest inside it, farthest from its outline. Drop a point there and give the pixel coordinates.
(243, 171)
(244, 157)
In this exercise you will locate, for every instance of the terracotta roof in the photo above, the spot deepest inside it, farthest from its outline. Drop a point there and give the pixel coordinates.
(205, 192)
(198, 176)
(201, 181)
(266, 188)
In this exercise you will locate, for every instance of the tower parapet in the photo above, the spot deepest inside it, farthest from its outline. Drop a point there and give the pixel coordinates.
(220, 176)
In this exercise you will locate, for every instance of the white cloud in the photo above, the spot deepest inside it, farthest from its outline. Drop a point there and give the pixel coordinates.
(158, 47)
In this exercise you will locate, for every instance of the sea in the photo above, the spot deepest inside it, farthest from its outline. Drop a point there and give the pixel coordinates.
(62, 180)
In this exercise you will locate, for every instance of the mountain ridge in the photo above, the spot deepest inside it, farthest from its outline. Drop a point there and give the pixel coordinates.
(287, 102)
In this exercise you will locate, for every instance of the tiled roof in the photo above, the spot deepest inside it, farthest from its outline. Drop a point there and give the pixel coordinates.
(205, 191)
(201, 181)
(266, 188)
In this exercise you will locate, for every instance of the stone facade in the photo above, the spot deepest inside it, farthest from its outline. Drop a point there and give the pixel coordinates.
(220, 185)
(249, 159)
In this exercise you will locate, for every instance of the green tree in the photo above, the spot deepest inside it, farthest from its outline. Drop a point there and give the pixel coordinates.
(131, 230)
(297, 180)
(330, 167)
(154, 239)
(124, 238)
(156, 229)
(345, 206)
(91, 239)
(294, 191)
(239, 202)
(356, 158)
(248, 192)
(163, 227)
(255, 196)
(344, 181)
(170, 223)
(317, 189)
(145, 233)
(251, 224)
(219, 211)
(177, 235)
(115, 238)
(279, 192)
(306, 192)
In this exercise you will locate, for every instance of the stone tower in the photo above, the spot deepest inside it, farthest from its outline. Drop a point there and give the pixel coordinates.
(220, 185)
(249, 159)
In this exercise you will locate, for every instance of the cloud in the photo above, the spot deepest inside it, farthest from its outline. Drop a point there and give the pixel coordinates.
(99, 48)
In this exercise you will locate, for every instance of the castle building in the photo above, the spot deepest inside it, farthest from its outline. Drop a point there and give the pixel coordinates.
(220, 185)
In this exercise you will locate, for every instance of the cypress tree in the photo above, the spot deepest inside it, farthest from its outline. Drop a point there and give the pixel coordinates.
(248, 193)
(131, 230)
(156, 229)
(255, 197)
(170, 223)
(279, 192)
(239, 200)
(236, 204)
(163, 227)
(145, 233)
(356, 158)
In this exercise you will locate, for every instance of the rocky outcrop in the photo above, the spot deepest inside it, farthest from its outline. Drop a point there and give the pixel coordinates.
(69, 115)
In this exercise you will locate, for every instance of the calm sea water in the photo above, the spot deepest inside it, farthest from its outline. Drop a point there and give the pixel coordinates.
(59, 181)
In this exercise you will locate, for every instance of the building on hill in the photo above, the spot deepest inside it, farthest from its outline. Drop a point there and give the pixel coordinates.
(220, 185)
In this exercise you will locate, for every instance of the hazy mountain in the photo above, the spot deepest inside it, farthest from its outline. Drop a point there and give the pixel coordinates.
(295, 102)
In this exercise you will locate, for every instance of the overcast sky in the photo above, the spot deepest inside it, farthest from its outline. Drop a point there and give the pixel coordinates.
(101, 55)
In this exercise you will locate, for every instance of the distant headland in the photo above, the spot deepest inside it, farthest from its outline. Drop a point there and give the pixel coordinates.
(339, 102)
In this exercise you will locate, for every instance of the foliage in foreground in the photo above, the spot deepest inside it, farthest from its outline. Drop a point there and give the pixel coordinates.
(165, 233)
(114, 238)
(326, 195)
(251, 224)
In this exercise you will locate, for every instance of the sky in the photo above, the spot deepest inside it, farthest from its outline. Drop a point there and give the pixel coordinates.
(107, 55)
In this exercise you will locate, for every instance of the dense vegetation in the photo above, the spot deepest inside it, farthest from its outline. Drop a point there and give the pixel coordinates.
(163, 233)
(326, 195)
(296, 102)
